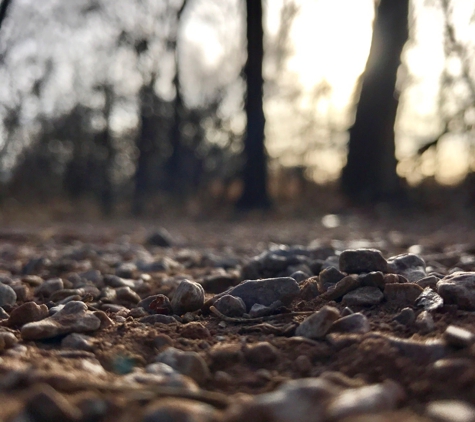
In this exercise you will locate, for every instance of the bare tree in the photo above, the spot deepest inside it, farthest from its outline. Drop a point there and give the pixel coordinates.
(370, 172)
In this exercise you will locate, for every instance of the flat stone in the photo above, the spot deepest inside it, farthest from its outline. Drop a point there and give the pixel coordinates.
(429, 300)
(368, 399)
(49, 287)
(73, 318)
(450, 411)
(7, 295)
(188, 297)
(362, 261)
(455, 369)
(126, 294)
(317, 325)
(190, 364)
(429, 281)
(422, 351)
(354, 323)
(458, 337)
(458, 289)
(409, 265)
(363, 296)
(77, 341)
(27, 312)
(266, 291)
(402, 293)
(341, 288)
(372, 279)
(231, 306)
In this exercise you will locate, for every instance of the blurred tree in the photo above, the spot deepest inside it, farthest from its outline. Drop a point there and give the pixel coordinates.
(370, 172)
(3, 10)
(254, 174)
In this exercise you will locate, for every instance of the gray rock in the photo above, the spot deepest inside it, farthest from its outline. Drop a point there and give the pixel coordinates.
(362, 261)
(218, 283)
(341, 288)
(302, 400)
(49, 287)
(7, 340)
(346, 311)
(7, 295)
(179, 410)
(259, 310)
(406, 317)
(363, 296)
(411, 266)
(429, 300)
(368, 399)
(455, 369)
(300, 276)
(429, 281)
(450, 411)
(190, 364)
(77, 341)
(73, 318)
(458, 337)
(161, 237)
(421, 351)
(266, 291)
(155, 319)
(126, 294)
(3, 314)
(231, 306)
(425, 322)
(458, 289)
(372, 279)
(330, 275)
(189, 296)
(402, 293)
(354, 323)
(260, 353)
(317, 325)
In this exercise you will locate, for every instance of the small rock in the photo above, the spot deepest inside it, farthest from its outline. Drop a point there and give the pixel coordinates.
(429, 300)
(425, 322)
(73, 318)
(363, 296)
(156, 304)
(455, 369)
(409, 265)
(266, 291)
(362, 261)
(260, 353)
(406, 317)
(458, 289)
(300, 276)
(7, 295)
(450, 411)
(330, 275)
(7, 340)
(154, 319)
(429, 281)
(218, 283)
(45, 405)
(303, 364)
(49, 286)
(259, 310)
(138, 312)
(346, 311)
(3, 314)
(106, 322)
(162, 340)
(27, 312)
(223, 355)
(341, 288)
(161, 237)
(309, 288)
(317, 325)
(126, 294)
(231, 306)
(422, 351)
(354, 323)
(188, 297)
(77, 341)
(126, 270)
(372, 279)
(179, 410)
(116, 281)
(190, 364)
(402, 293)
(368, 399)
(458, 337)
(195, 330)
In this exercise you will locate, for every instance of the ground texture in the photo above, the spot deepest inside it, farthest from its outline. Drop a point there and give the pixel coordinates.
(97, 323)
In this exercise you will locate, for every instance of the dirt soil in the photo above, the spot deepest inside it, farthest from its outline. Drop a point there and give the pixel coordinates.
(48, 380)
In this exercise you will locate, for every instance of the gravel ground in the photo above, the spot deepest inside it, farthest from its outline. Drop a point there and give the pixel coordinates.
(357, 318)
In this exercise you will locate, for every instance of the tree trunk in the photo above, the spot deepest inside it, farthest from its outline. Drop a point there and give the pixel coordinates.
(370, 172)
(255, 166)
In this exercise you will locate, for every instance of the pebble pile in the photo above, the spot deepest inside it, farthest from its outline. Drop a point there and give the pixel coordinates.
(155, 332)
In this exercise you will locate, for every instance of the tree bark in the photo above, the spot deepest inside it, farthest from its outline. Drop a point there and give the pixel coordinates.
(370, 173)
(255, 166)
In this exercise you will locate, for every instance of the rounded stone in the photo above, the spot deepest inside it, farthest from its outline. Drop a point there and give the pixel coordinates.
(27, 312)
(260, 353)
(317, 325)
(231, 306)
(362, 261)
(7, 295)
(188, 297)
